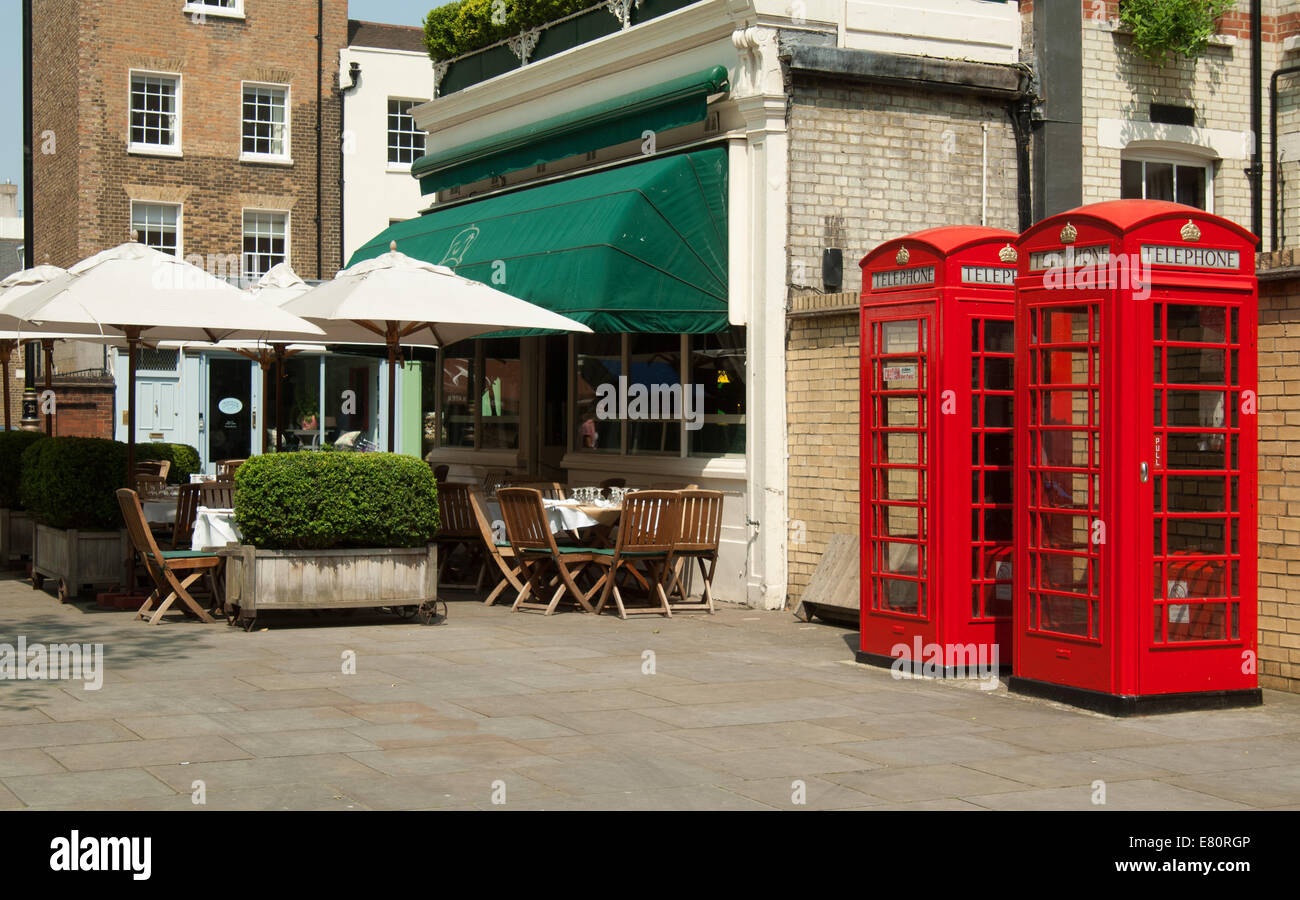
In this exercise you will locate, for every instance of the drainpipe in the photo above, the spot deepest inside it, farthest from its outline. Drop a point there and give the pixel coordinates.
(1257, 125)
(1275, 201)
(354, 71)
(320, 64)
(29, 420)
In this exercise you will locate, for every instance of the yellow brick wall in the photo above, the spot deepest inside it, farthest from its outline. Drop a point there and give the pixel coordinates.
(1279, 483)
(822, 411)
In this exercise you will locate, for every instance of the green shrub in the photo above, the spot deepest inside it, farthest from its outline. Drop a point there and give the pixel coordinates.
(70, 482)
(183, 457)
(12, 446)
(468, 25)
(317, 501)
(1161, 27)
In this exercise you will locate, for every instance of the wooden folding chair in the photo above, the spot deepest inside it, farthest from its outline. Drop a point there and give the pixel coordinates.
(226, 468)
(698, 538)
(164, 565)
(500, 556)
(217, 494)
(551, 490)
(543, 563)
(187, 510)
(153, 467)
(647, 531)
(457, 526)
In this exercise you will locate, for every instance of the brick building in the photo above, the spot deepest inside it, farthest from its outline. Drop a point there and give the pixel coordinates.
(209, 128)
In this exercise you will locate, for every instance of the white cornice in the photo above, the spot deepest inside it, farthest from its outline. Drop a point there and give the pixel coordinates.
(680, 31)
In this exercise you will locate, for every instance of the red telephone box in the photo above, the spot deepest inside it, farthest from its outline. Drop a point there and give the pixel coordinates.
(936, 428)
(1135, 534)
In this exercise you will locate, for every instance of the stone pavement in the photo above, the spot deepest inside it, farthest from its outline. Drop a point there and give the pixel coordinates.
(556, 713)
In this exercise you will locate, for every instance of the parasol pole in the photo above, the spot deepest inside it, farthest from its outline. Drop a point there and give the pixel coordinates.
(47, 344)
(132, 333)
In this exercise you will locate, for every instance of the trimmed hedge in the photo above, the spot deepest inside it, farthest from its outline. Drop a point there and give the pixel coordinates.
(69, 482)
(12, 446)
(319, 501)
(184, 459)
(468, 25)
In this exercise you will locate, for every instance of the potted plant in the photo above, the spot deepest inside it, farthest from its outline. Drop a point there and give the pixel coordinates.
(69, 485)
(333, 531)
(15, 518)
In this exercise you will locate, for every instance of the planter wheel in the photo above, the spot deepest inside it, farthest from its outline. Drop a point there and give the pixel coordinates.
(232, 614)
(37, 581)
(433, 612)
(405, 612)
(63, 591)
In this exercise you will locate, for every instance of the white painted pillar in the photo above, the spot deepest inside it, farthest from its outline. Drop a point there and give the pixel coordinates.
(758, 275)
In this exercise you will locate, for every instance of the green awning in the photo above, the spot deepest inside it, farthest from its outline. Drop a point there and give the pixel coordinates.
(682, 101)
(639, 248)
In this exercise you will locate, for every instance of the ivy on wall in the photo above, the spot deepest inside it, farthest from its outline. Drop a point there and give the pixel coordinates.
(1179, 27)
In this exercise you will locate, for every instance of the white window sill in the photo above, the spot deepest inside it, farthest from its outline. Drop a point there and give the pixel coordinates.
(266, 160)
(216, 12)
(399, 168)
(148, 150)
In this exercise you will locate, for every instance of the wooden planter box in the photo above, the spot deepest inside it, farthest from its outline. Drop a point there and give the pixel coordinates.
(258, 580)
(15, 535)
(78, 558)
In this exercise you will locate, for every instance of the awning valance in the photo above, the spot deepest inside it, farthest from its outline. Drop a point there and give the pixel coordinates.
(625, 118)
(639, 248)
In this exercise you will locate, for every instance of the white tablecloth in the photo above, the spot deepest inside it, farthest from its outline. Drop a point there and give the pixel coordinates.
(561, 515)
(214, 528)
(159, 512)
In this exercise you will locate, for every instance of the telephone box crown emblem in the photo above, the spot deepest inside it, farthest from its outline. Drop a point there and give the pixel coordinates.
(902, 256)
(1069, 233)
(1008, 254)
(1190, 232)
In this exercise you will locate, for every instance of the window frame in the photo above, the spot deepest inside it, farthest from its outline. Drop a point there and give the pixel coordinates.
(173, 149)
(684, 450)
(388, 135)
(206, 8)
(1175, 158)
(244, 273)
(180, 220)
(283, 159)
(477, 380)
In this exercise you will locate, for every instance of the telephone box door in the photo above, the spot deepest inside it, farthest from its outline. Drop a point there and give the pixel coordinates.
(1061, 363)
(898, 346)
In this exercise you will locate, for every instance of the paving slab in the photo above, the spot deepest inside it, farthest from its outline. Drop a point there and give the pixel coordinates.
(1120, 795)
(745, 710)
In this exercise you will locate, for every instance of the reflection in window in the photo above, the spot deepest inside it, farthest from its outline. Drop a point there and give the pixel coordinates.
(598, 364)
(718, 364)
(471, 398)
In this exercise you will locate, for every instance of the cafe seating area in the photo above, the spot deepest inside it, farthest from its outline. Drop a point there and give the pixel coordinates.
(598, 548)
(539, 546)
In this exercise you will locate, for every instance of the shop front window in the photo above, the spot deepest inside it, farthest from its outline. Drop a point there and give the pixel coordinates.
(598, 365)
(472, 397)
(681, 394)
(718, 365)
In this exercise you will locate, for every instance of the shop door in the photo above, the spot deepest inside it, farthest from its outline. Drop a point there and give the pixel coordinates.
(897, 403)
(230, 408)
(1066, 542)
